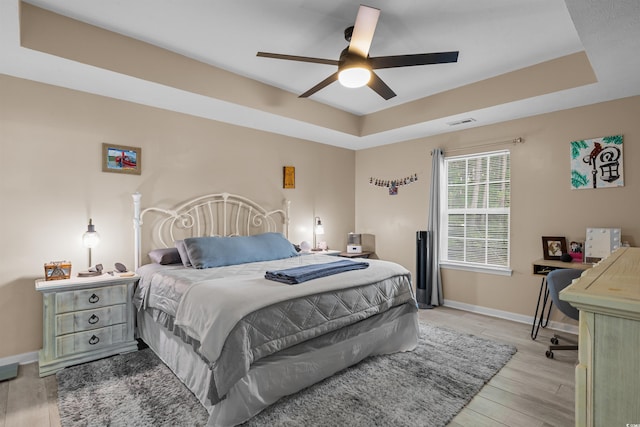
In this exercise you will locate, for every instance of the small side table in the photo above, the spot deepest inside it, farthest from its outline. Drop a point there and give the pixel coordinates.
(363, 254)
(85, 319)
(331, 252)
(542, 267)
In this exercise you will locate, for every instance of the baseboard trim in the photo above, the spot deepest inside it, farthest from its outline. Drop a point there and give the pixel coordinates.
(515, 317)
(21, 359)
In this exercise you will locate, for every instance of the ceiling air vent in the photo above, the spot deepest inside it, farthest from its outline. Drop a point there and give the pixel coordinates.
(462, 122)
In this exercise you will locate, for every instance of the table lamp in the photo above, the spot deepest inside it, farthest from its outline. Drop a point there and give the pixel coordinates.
(318, 229)
(90, 238)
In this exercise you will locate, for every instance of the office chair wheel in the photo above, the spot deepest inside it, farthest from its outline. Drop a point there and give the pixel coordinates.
(554, 340)
(549, 354)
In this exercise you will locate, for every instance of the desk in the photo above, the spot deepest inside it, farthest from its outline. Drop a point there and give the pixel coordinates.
(542, 267)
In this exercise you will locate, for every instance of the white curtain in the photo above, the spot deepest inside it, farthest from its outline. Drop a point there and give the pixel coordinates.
(437, 166)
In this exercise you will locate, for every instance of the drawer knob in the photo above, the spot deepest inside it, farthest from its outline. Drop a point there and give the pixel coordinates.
(94, 319)
(94, 340)
(94, 299)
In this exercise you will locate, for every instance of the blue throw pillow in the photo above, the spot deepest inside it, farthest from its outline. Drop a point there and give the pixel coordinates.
(207, 252)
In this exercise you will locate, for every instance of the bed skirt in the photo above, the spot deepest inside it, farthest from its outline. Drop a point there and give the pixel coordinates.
(288, 371)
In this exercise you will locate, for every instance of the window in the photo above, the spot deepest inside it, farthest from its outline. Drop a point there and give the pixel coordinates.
(475, 216)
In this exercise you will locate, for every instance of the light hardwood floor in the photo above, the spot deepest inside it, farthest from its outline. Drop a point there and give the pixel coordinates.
(530, 390)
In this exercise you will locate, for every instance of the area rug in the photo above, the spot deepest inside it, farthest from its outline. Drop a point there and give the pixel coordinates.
(425, 387)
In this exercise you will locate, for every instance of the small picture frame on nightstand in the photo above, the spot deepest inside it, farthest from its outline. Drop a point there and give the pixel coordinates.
(57, 270)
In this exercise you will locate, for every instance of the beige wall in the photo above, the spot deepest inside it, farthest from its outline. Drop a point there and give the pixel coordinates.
(51, 183)
(542, 200)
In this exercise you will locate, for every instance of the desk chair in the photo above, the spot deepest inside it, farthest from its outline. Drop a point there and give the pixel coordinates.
(557, 280)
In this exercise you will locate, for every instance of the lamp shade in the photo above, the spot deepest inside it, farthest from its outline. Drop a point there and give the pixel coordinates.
(319, 228)
(90, 238)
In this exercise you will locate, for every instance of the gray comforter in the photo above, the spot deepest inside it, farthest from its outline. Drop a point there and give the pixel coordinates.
(234, 317)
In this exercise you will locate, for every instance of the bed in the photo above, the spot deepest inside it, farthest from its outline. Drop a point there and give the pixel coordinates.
(239, 341)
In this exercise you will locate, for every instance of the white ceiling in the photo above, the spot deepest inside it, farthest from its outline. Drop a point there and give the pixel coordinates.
(493, 37)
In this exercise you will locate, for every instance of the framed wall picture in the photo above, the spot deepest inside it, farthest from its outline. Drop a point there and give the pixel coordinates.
(121, 159)
(553, 247)
(289, 177)
(597, 162)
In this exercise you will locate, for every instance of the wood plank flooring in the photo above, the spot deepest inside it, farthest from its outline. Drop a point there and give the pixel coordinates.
(530, 390)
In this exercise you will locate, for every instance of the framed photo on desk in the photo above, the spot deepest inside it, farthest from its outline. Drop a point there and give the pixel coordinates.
(553, 247)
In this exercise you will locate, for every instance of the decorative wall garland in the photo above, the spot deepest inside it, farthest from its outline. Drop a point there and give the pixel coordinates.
(393, 184)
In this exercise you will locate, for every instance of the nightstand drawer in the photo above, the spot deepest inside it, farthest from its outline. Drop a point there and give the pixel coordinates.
(90, 319)
(90, 298)
(90, 340)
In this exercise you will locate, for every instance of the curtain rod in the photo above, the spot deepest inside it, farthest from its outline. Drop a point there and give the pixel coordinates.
(518, 140)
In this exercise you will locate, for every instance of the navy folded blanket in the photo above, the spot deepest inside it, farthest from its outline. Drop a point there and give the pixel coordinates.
(295, 275)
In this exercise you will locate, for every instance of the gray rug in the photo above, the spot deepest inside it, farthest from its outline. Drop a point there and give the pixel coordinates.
(426, 387)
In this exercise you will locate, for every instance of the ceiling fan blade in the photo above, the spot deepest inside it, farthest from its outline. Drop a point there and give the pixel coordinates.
(326, 82)
(298, 58)
(363, 30)
(380, 87)
(411, 60)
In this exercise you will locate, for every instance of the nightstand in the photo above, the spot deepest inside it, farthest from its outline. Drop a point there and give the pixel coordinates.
(331, 252)
(363, 254)
(84, 319)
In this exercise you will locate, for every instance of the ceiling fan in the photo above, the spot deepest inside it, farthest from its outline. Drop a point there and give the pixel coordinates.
(355, 67)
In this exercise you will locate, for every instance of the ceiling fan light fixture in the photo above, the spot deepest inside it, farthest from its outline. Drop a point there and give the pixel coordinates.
(355, 66)
(354, 77)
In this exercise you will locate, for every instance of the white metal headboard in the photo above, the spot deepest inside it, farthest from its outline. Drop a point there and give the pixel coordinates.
(221, 214)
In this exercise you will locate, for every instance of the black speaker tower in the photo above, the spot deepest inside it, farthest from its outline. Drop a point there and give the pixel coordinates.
(423, 269)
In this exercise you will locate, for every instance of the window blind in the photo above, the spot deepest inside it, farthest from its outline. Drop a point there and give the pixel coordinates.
(477, 209)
